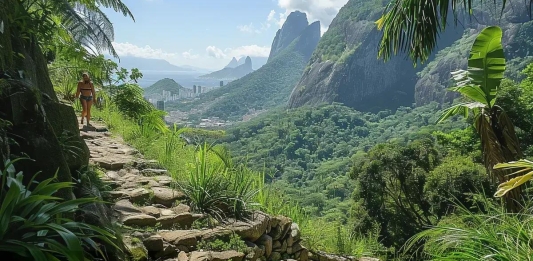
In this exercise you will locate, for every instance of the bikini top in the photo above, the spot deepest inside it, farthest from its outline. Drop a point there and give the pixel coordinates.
(90, 89)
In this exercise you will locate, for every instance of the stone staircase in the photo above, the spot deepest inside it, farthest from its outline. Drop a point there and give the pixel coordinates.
(160, 227)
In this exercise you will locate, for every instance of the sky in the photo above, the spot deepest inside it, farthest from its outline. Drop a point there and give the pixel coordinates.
(208, 33)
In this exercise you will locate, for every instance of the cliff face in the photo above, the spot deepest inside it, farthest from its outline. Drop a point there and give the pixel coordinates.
(344, 67)
(295, 24)
(434, 79)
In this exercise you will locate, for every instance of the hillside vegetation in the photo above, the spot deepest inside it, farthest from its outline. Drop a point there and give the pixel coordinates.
(165, 84)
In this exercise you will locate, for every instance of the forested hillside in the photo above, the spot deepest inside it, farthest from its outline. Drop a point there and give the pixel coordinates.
(166, 84)
(309, 150)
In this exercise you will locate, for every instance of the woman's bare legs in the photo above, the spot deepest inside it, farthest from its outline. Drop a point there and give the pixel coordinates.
(83, 110)
(89, 104)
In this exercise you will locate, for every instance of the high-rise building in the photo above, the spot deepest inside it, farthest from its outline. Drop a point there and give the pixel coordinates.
(194, 88)
(160, 105)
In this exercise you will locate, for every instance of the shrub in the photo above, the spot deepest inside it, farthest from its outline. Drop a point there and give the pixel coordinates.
(217, 188)
(35, 224)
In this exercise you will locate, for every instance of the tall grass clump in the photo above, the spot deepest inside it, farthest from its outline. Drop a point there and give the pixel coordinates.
(489, 234)
(214, 186)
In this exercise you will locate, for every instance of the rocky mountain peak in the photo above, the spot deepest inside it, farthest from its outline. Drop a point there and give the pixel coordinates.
(233, 63)
(292, 28)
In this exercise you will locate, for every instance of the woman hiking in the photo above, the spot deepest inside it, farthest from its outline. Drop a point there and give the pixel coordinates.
(86, 94)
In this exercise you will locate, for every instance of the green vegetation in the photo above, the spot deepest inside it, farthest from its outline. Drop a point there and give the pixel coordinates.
(165, 84)
(218, 188)
(35, 224)
(333, 46)
(479, 86)
(309, 151)
(233, 243)
(470, 234)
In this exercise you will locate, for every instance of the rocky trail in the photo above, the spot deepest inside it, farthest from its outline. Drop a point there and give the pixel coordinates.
(160, 227)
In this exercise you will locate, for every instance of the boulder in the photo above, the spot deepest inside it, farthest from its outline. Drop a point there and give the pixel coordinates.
(136, 249)
(168, 250)
(151, 210)
(181, 237)
(139, 220)
(181, 208)
(304, 255)
(254, 250)
(182, 256)
(265, 240)
(226, 256)
(141, 164)
(280, 227)
(166, 196)
(153, 243)
(167, 212)
(295, 232)
(183, 220)
(276, 245)
(254, 229)
(217, 233)
(126, 208)
(199, 256)
(275, 256)
(139, 195)
(322, 256)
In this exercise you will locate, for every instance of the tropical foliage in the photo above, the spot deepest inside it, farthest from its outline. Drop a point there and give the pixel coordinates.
(37, 225)
(480, 85)
(414, 27)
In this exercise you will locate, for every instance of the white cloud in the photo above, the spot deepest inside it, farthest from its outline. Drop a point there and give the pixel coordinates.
(247, 28)
(189, 55)
(248, 50)
(316, 10)
(128, 49)
(214, 57)
(271, 16)
(214, 52)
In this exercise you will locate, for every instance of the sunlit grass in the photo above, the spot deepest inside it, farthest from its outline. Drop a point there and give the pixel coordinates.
(491, 234)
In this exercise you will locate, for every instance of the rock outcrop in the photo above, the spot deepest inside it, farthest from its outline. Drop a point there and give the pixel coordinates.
(293, 27)
(233, 63)
(344, 67)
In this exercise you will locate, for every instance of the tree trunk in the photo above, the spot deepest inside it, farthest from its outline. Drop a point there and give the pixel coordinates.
(500, 145)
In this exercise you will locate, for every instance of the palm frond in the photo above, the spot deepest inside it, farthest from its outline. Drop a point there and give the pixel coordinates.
(414, 26)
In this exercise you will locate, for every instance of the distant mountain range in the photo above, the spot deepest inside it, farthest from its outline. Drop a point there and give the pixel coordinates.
(234, 70)
(257, 62)
(129, 62)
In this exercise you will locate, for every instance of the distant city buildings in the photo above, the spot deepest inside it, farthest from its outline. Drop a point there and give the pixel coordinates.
(184, 93)
(160, 105)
